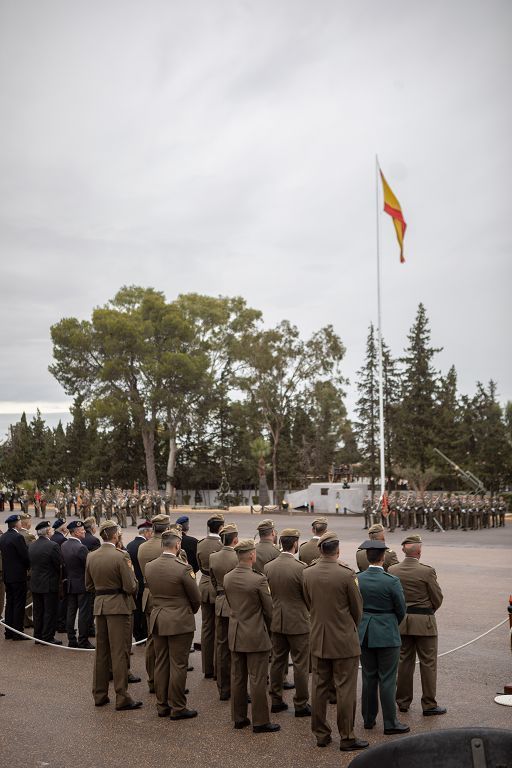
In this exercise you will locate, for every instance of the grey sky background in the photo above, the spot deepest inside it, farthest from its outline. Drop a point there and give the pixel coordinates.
(229, 148)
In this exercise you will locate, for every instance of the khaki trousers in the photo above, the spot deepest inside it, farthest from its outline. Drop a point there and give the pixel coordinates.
(344, 674)
(171, 662)
(426, 648)
(255, 666)
(208, 638)
(298, 647)
(113, 639)
(150, 656)
(222, 656)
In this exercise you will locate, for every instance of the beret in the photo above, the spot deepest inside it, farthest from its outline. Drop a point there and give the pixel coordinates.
(291, 532)
(58, 523)
(376, 528)
(145, 525)
(319, 521)
(89, 522)
(44, 524)
(245, 545)
(13, 518)
(372, 544)
(228, 528)
(183, 519)
(265, 525)
(412, 539)
(161, 519)
(326, 537)
(75, 524)
(107, 524)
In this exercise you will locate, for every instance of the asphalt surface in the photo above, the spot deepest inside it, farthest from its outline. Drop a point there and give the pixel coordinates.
(47, 716)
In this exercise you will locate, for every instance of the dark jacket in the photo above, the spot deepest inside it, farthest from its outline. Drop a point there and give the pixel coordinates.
(45, 562)
(383, 608)
(132, 548)
(74, 554)
(91, 541)
(14, 556)
(189, 544)
(58, 538)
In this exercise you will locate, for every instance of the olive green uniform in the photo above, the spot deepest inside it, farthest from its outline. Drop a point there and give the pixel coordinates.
(205, 547)
(221, 563)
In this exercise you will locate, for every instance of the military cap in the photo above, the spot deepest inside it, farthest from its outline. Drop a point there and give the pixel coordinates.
(74, 524)
(376, 528)
(265, 525)
(217, 516)
(412, 539)
(245, 545)
(161, 519)
(174, 531)
(319, 521)
(183, 519)
(26, 516)
(327, 537)
(107, 524)
(43, 524)
(372, 544)
(13, 518)
(145, 525)
(58, 523)
(89, 522)
(292, 533)
(228, 528)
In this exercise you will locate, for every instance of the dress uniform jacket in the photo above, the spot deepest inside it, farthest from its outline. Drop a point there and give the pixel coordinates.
(205, 547)
(421, 590)
(15, 558)
(108, 571)
(221, 563)
(74, 554)
(175, 595)
(383, 608)
(290, 615)
(390, 559)
(91, 541)
(265, 552)
(58, 538)
(189, 546)
(148, 551)
(309, 550)
(45, 561)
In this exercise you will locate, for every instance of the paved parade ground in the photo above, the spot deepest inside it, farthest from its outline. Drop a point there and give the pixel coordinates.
(48, 716)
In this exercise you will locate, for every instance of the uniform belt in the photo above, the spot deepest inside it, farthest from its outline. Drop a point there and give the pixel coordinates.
(421, 611)
(371, 610)
(101, 592)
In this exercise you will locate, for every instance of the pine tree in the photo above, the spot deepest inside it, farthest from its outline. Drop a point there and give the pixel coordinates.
(366, 427)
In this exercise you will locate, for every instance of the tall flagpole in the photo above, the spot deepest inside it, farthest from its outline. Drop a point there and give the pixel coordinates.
(379, 328)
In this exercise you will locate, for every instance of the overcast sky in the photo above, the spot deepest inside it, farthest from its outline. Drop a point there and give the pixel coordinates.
(229, 148)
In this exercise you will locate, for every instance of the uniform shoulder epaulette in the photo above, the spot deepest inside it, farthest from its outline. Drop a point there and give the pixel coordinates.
(390, 574)
(258, 573)
(182, 562)
(312, 563)
(344, 565)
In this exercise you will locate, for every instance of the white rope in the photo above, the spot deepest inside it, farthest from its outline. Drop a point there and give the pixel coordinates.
(474, 639)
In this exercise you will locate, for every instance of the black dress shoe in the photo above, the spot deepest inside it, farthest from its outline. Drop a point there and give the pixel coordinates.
(434, 711)
(369, 726)
(304, 712)
(102, 703)
(266, 728)
(54, 641)
(164, 713)
(288, 686)
(324, 743)
(224, 697)
(190, 669)
(133, 678)
(72, 644)
(350, 745)
(208, 676)
(333, 701)
(403, 709)
(131, 705)
(88, 646)
(239, 724)
(185, 714)
(281, 707)
(19, 637)
(398, 728)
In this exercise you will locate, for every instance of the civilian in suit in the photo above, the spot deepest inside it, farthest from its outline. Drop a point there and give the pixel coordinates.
(145, 532)
(290, 625)
(383, 610)
(15, 563)
(188, 543)
(45, 566)
(74, 554)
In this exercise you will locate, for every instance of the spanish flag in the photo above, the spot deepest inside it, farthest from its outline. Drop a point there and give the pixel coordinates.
(392, 207)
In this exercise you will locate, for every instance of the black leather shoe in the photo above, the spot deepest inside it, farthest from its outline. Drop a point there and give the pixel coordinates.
(266, 728)
(434, 711)
(88, 646)
(190, 669)
(333, 701)
(351, 745)
(19, 637)
(72, 644)
(304, 712)
(208, 676)
(324, 743)
(398, 728)
(54, 641)
(369, 726)
(102, 703)
(281, 707)
(239, 724)
(403, 709)
(164, 713)
(133, 678)
(185, 714)
(288, 686)
(224, 697)
(131, 705)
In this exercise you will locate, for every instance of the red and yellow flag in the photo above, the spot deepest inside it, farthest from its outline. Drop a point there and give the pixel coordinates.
(392, 207)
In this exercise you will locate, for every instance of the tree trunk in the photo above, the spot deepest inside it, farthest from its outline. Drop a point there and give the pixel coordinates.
(148, 439)
(171, 459)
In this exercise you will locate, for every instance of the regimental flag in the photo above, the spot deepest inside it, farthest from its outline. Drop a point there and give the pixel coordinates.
(384, 503)
(392, 207)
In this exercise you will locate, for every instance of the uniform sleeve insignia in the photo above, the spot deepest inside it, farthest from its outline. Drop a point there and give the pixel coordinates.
(192, 575)
(356, 581)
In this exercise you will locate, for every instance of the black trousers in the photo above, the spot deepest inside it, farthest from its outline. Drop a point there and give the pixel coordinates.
(15, 597)
(140, 629)
(80, 603)
(45, 607)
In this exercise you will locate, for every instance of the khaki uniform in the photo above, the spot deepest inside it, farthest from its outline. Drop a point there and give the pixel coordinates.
(250, 604)
(309, 550)
(175, 599)
(290, 627)
(336, 606)
(150, 550)
(418, 630)
(390, 558)
(109, 573)
(205, 547)
(266, 551)
(222, 562)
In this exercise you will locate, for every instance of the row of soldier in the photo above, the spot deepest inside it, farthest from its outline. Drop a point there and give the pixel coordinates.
(118, 504)
(260, 602)
(449, 511)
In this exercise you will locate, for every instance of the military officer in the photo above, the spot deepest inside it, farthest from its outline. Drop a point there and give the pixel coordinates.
(144, 532)
(147, 552)
(74, 553)
(223, 562)
(15, 563)
(175, 599)
(205, 547)
(419, 628)
(109, 573)
(383, 610)
(45, 564)
(336, 607)
(266, 549)
(375, 533)
(290, 625)
(248, 596)
(308, 551)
